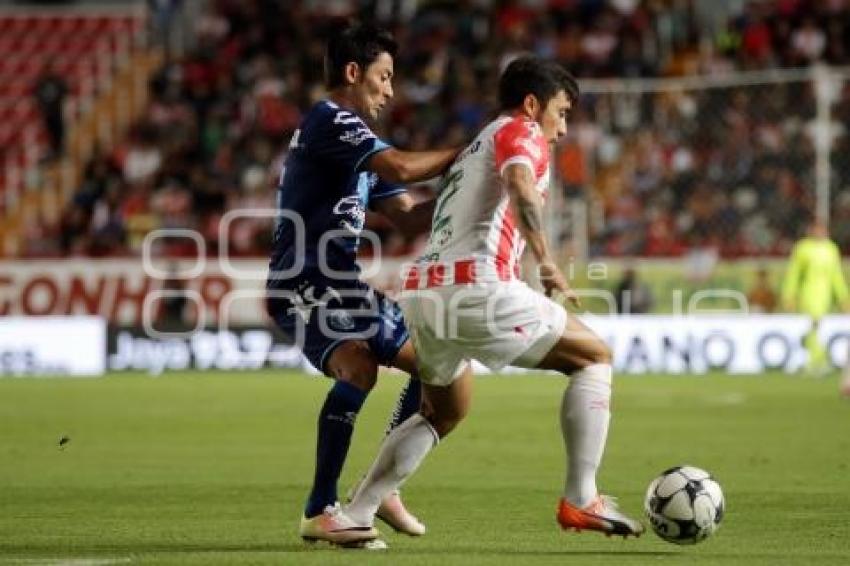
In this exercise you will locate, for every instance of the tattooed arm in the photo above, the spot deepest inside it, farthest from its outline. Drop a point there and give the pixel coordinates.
(527, 209)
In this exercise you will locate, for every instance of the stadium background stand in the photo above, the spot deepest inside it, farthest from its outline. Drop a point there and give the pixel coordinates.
(89, 56)
(665, 172)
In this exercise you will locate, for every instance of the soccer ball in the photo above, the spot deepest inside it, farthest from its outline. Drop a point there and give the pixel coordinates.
(684, 505)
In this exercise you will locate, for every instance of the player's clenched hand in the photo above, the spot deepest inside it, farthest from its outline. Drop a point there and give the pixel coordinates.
(553, 281)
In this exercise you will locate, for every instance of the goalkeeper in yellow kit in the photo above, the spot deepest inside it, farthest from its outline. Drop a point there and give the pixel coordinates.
(813, 280)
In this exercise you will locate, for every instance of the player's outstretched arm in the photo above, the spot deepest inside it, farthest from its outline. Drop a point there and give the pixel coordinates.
(397, 166)
(527, 209)
(409, 217)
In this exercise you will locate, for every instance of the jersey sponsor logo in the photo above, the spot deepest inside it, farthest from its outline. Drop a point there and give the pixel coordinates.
(441, 227)
(344, 117)
(340, 320)
(351, 209)
(470, 150)
(443, 237)
(356, 137)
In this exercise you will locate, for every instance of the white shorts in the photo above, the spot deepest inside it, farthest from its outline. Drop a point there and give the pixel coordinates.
(498, 324)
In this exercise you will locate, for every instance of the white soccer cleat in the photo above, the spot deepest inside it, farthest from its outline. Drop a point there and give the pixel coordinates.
(393, 512)
(335, 527)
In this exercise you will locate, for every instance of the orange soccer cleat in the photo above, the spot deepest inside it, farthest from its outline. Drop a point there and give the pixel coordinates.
(601, 515)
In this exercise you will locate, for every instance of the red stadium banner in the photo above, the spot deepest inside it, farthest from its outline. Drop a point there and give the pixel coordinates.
(117, 289)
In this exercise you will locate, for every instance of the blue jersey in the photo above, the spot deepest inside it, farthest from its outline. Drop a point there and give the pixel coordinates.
(323, 186)
(323, 183)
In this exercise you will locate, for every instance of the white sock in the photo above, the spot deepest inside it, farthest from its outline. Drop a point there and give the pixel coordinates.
(585, 415)
(401, 453)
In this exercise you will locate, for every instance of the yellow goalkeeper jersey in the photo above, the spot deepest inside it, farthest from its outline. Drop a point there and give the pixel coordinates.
(814, 277)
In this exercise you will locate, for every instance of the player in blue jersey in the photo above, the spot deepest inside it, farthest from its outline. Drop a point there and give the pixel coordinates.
(336, 168)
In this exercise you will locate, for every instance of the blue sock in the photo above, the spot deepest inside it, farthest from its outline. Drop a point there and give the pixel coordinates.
(407, 404)
(336, 424)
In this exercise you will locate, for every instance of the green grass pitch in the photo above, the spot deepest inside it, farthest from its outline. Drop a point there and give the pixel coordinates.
(213, 468)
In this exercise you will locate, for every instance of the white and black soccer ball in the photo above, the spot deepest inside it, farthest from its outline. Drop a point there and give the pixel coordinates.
(684, 505)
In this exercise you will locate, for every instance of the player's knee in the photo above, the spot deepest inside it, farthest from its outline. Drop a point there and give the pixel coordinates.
(596, 353)
(425, 408)
(363, 374)
(601, 353)
(354, 363)
(438, 420)
(445, 419)
(443, 426)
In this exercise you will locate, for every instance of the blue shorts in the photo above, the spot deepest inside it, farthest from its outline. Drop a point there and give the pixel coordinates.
(319, 314)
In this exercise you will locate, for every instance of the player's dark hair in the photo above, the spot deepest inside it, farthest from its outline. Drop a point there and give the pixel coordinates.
(358, 43)
(532, 75)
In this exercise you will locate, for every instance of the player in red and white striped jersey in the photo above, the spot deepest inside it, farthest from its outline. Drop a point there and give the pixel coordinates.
(463, 300)
(476, 224)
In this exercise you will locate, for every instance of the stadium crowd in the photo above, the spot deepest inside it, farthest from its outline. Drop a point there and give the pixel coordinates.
(725, 168)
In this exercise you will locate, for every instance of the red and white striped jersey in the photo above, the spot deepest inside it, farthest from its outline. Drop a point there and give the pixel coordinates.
(473, 222)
